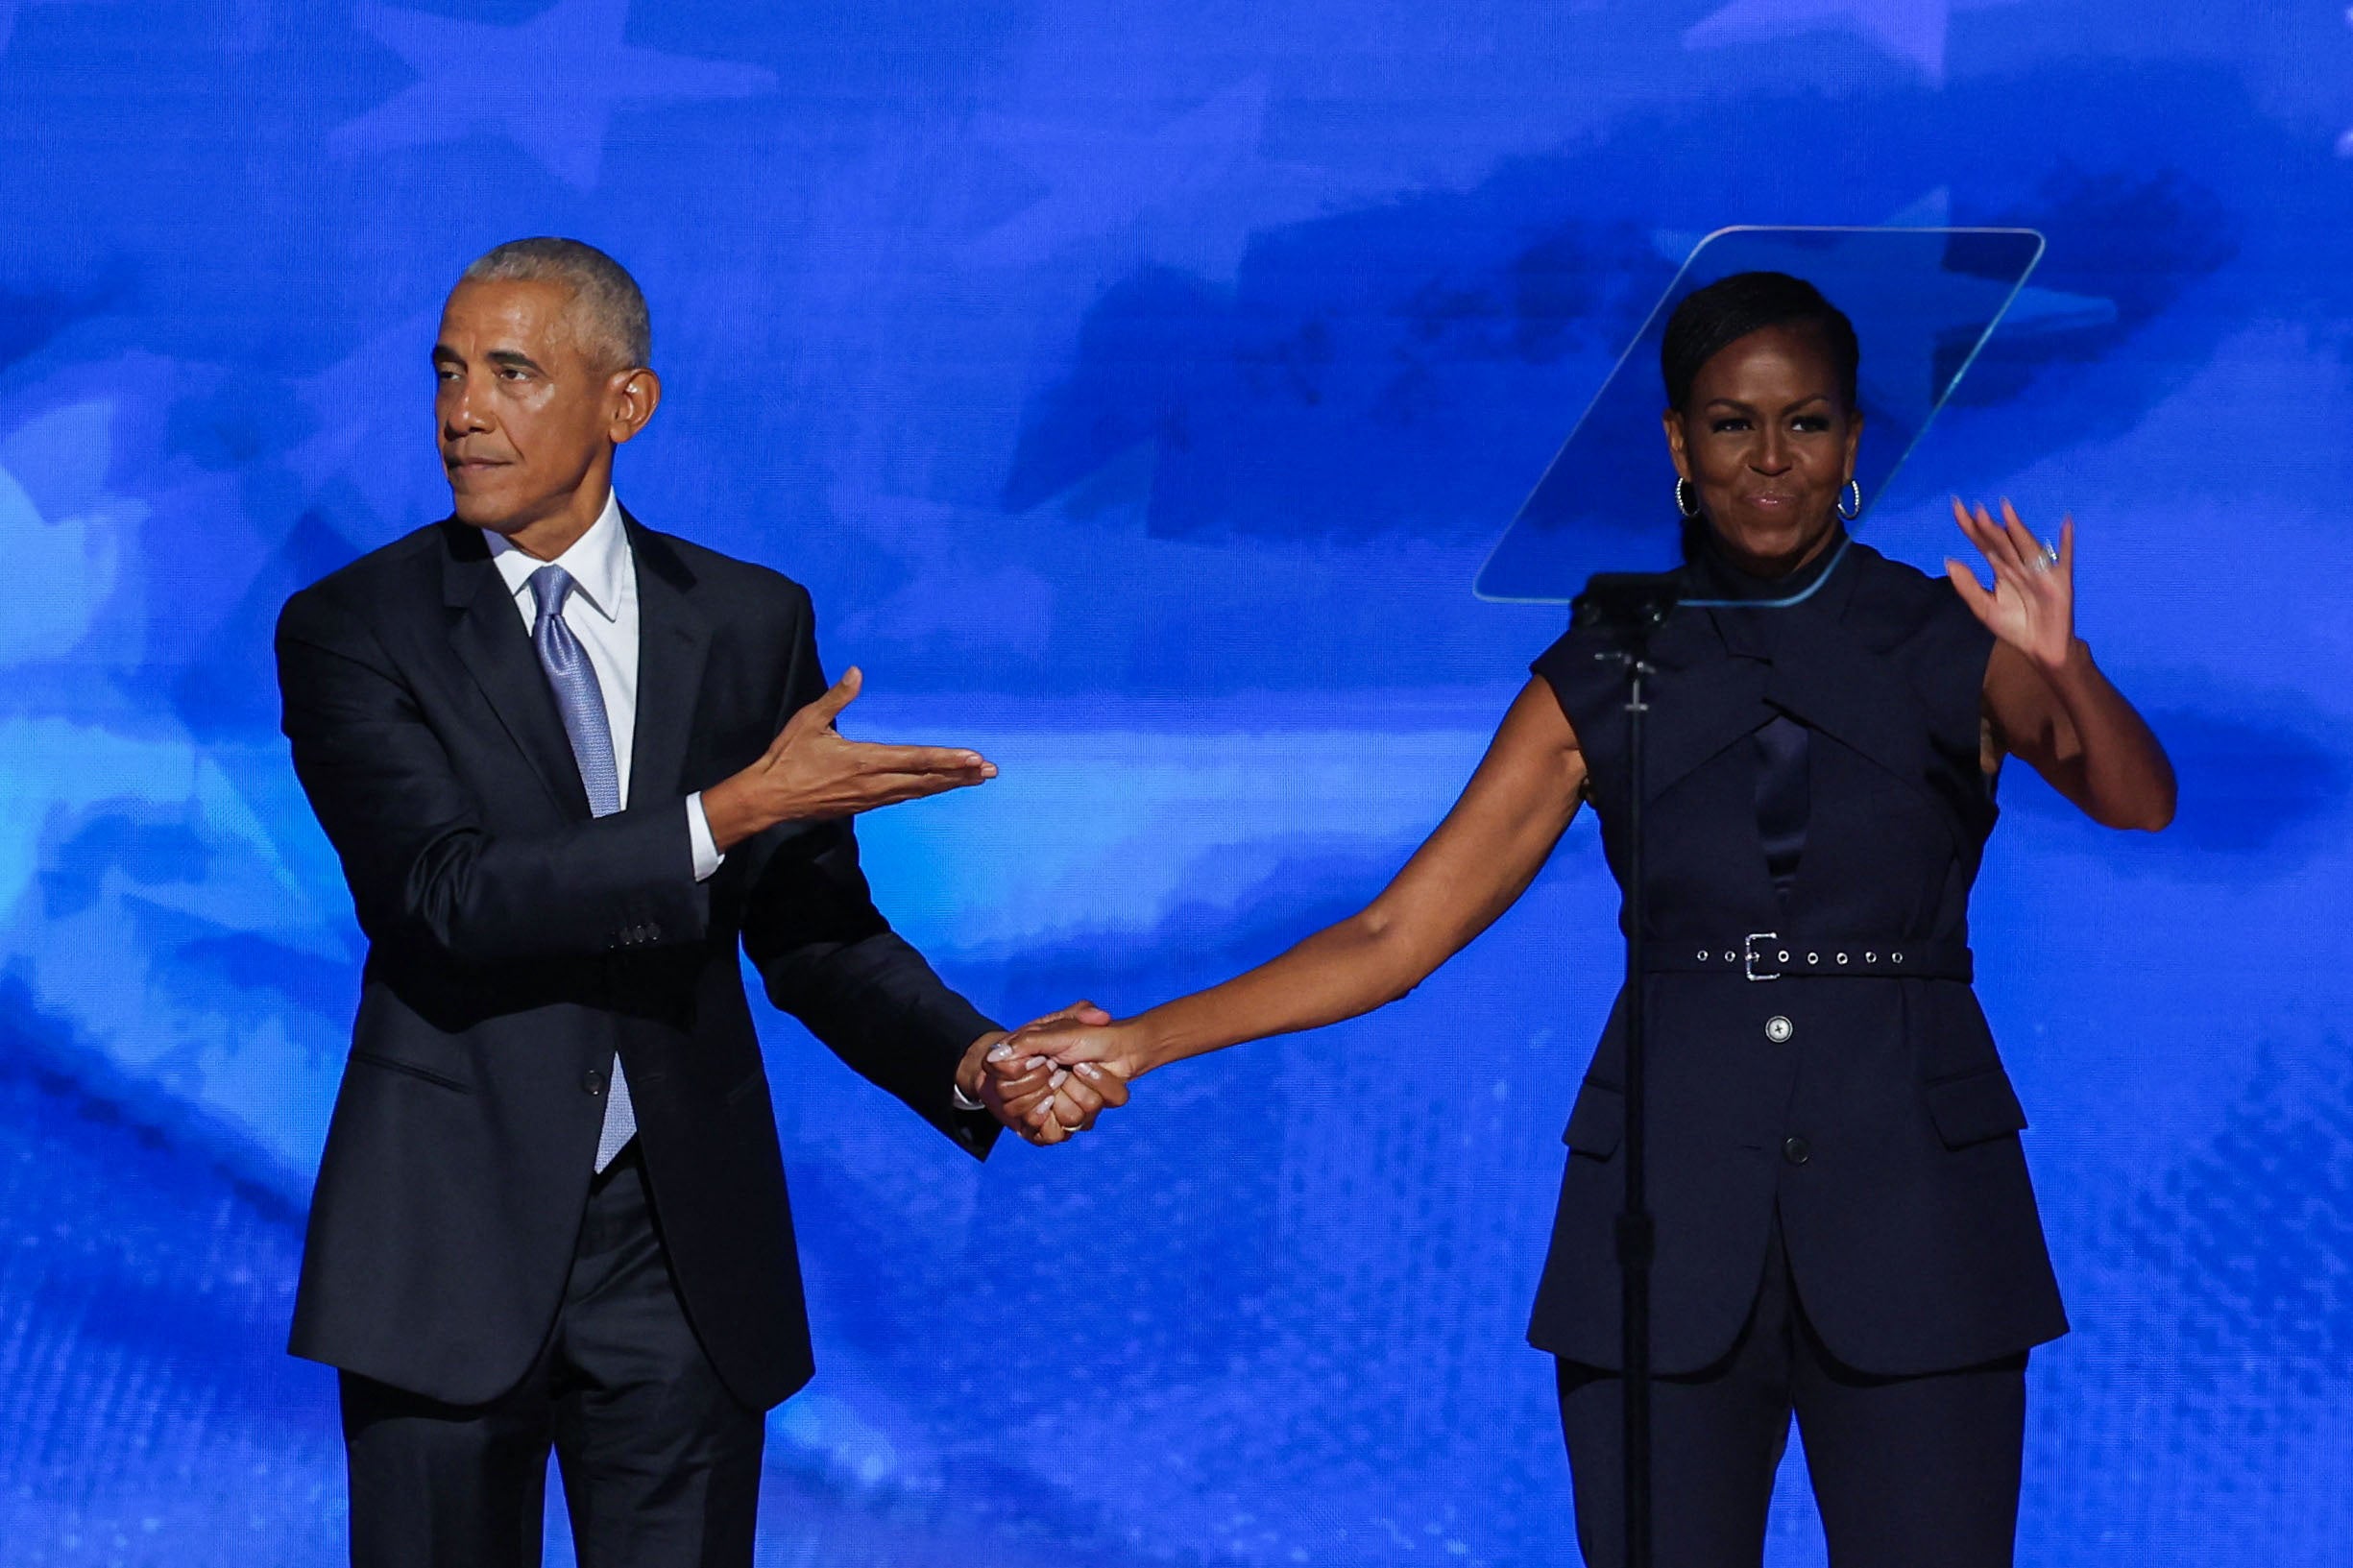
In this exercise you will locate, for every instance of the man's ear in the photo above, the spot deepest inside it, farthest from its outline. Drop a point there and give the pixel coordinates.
(631, 399)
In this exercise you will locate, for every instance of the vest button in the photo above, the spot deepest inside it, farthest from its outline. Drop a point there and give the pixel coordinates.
(594, 1081)
(1796, 1150)
(1779, 1029)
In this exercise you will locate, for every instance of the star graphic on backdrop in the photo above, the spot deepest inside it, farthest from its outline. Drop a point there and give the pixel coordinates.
(2033, 312)
(1201, 168)
(550, 84)
(1911, 30)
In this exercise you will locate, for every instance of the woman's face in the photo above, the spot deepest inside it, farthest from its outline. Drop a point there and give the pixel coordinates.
(1768, 441)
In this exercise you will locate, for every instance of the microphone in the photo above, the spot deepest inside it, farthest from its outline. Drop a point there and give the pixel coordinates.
(1626, 602)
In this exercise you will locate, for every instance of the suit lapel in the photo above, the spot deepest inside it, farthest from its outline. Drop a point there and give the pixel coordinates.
(1841, 683)
(1846, 691)
(1714, 700)
(492, 643)
(673, 639)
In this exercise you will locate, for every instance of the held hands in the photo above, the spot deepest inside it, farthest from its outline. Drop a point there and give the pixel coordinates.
(1037, 1098)
(2033, 604)
(1056, 1075)
(810, 771)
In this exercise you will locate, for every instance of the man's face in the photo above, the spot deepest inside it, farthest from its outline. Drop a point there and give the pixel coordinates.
(527, 422)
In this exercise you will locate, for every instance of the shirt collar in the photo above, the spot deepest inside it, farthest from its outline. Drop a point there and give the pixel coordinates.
(596, 561)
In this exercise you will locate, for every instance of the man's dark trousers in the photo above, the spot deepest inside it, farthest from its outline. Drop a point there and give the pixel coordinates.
(661, 1462)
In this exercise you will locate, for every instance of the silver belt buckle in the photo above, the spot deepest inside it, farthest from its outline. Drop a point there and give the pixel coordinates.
(1749, 955)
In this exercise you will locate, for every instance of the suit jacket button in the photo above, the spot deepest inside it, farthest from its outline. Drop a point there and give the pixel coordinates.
(653, 933)
(594, 1081)
(1796, 1150)
(1779, 1029)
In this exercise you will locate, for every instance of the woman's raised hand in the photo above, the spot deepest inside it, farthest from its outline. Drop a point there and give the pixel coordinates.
(2031, 605)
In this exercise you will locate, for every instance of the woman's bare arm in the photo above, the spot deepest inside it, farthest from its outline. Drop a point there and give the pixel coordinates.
(2045, 700)
(2078, 732)
(1475, 866)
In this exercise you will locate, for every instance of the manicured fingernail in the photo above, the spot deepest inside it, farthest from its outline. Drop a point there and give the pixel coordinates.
(999, 1052)
(1055, 1082)
(1089, 1069)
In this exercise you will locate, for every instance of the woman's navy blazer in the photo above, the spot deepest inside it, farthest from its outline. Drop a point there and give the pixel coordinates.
(1859, 1096)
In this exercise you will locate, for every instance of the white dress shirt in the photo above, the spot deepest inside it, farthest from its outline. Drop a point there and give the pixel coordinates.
(601, 611)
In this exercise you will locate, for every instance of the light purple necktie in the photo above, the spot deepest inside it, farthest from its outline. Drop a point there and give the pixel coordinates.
(582, 703)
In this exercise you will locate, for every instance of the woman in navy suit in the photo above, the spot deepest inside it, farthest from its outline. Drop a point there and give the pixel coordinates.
(1846, 1228)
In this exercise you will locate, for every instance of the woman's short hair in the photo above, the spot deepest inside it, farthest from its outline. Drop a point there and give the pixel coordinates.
(1711, 320)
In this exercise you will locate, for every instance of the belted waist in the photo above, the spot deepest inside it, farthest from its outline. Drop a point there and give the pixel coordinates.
(1769, 955)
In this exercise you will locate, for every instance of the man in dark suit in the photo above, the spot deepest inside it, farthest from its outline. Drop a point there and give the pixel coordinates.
(569, 763)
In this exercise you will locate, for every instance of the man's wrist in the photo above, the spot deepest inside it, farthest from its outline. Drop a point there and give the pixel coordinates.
(727, 814)
(972, 1070)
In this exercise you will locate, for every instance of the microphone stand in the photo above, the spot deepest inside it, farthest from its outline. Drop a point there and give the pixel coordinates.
(1631, 606)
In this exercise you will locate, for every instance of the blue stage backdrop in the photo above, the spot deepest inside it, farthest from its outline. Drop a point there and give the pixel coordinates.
(1138, 388)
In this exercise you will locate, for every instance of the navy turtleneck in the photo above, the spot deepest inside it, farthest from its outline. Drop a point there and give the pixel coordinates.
(1715, 575)
(1784, 798)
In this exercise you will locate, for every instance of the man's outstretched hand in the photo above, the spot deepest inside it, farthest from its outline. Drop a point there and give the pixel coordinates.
(811, 771)
(1034, 1095)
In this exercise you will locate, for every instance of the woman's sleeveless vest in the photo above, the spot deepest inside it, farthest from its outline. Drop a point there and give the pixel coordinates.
(1857, 1096)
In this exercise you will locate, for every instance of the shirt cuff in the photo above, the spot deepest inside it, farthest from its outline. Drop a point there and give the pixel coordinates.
(707, 856)
(964, 1101)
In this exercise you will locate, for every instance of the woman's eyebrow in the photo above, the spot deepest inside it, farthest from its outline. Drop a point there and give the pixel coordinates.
(1739, 406)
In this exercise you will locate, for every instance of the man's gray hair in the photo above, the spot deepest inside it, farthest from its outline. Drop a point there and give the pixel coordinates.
(616, 333)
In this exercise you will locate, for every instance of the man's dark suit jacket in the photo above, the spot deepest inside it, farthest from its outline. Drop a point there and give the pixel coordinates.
(516, 944)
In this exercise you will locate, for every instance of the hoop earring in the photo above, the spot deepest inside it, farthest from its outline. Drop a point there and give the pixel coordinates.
(1690, 509)
(1848, 512)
